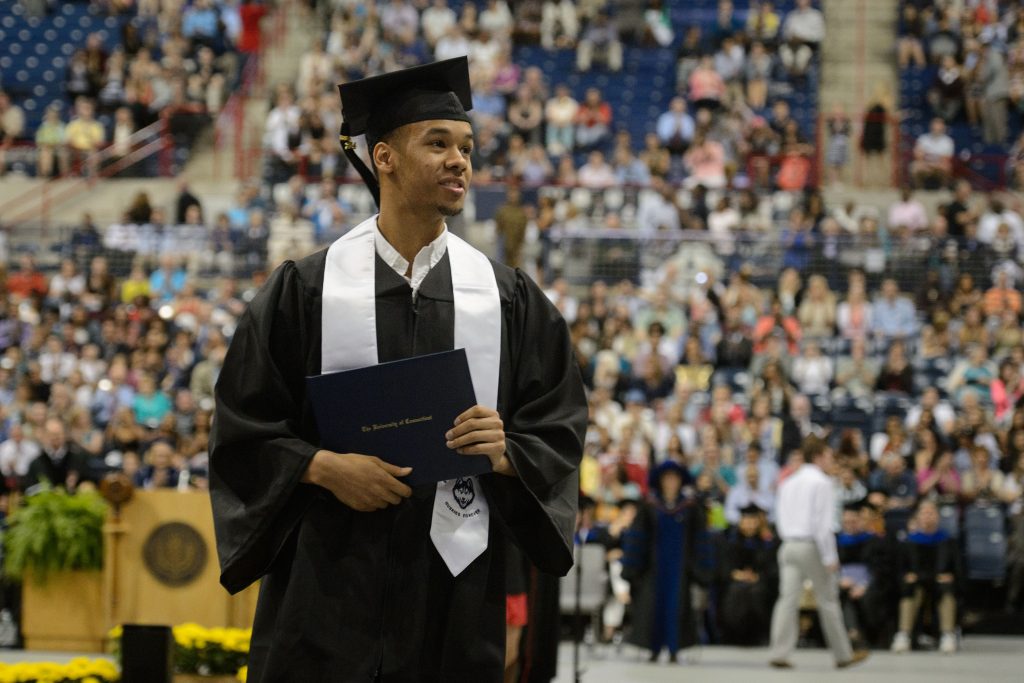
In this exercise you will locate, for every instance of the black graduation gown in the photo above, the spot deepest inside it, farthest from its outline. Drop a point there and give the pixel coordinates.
(44, 468)
(352, 596)
(874, 610)
(746, 607)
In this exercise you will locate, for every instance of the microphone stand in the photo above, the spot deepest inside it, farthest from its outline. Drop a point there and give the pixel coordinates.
(577, 630)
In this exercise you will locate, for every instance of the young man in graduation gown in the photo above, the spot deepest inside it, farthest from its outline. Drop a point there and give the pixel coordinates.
(365, 578)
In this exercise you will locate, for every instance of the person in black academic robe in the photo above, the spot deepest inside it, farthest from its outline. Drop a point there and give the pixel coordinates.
(751, 576)
(658, 563)
(929, 568)
(862, 562)
(365, 596)
(61, 463)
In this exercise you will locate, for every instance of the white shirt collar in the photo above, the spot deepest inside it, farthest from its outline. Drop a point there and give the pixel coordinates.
(426, 259)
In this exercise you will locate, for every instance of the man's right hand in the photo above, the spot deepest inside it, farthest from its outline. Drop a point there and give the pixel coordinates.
(363, 482)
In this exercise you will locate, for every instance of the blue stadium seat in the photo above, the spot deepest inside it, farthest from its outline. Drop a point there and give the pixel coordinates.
(985, 542)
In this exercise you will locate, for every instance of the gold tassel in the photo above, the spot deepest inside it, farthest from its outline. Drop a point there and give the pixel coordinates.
(346, 142)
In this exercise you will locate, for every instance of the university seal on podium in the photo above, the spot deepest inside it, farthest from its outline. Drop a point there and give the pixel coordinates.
(175, 554)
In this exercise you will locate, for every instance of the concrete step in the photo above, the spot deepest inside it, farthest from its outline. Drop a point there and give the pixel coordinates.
(840, 72)
(282, 64)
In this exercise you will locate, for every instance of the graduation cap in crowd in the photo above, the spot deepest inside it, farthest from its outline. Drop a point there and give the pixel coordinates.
(751, 510)
(380, 104)
(669, 466)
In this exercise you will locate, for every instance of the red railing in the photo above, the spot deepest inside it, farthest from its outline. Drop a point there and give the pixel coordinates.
(37, 202)
(231, 131)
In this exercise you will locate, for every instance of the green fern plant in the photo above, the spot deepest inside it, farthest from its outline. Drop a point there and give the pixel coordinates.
(55, 531)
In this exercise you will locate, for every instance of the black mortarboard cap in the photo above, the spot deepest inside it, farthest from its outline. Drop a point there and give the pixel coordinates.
(380, 104)
(751, 509)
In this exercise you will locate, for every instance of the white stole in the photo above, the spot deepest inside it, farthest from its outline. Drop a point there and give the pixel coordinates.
(349, 341)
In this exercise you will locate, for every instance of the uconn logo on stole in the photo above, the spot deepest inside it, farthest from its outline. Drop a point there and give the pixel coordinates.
(464, 494)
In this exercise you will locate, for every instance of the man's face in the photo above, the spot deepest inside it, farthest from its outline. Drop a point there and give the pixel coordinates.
(55, 435)
(893, 464)
(852, 522)
(749, 525)
(827, 460)
(928, 517)
(431, 164)
(670, 484)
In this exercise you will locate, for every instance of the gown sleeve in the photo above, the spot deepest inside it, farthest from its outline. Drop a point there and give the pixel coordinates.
(257, 456)
(545, 423)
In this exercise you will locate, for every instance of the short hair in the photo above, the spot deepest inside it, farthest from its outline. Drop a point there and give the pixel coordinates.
(813, 447)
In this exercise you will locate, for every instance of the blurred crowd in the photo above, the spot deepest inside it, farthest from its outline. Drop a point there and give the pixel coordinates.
(972, 56)
(911, 372)
(172, 59)
(730, 118)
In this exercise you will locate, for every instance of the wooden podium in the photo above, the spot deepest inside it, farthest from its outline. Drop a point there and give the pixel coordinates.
(160, 567)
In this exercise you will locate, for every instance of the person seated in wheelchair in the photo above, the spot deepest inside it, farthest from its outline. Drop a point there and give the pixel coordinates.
(930, 567)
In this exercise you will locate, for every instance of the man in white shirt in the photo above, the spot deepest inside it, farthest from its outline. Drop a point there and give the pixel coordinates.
(933, 155)
(453, 43)
(805, 23)
(436, 20)
(596, 173)
(497, 19)
(675, 127)
(657, 208)
(804, 517)
(17, 453)
(560, 115)
(399, 18)
(996, 215)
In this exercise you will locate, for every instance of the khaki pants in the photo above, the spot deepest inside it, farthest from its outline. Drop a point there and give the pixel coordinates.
(799, 560)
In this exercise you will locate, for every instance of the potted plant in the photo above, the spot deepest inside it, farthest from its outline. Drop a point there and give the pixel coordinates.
(54, 546)
(202, 655)
(76, 671)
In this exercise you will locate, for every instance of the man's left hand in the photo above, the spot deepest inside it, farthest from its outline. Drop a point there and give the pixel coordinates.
(480, 431)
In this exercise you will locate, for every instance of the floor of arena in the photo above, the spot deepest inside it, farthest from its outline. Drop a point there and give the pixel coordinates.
(982, 658)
